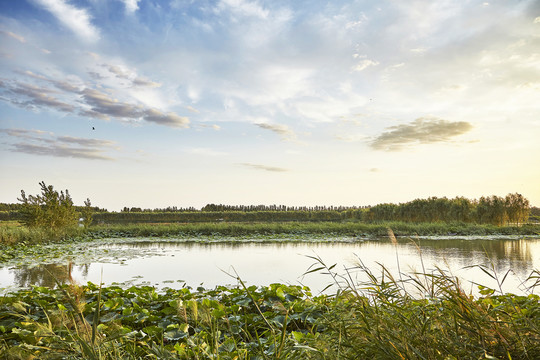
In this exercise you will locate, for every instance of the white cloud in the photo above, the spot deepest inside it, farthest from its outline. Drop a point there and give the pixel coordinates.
(75, 19)
(131, 5)
(364, 64)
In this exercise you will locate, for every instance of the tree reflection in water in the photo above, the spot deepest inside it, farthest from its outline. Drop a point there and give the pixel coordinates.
(503, 254)
(46, 275)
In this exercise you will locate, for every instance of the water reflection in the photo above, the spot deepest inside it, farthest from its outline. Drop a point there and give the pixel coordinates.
(47, 274)
(517, 249)
(503, 254)
(169, 263)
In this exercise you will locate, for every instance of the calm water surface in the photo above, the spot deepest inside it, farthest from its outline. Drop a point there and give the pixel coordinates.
(179, 263)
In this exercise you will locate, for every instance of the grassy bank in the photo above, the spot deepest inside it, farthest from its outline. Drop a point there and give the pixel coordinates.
(17, 234)
(353, 229)
(14, 233)
(380, 319)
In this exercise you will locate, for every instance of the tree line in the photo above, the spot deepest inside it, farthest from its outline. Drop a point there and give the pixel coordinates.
(496, 210)
(56, 209)
(232, 216)
(243, 208)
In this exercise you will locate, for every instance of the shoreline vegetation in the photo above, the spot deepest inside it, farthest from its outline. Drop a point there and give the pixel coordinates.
(418, 316)
(52, 216)
(12, 233)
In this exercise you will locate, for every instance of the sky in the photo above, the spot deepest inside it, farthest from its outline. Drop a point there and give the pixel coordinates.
(147, 103)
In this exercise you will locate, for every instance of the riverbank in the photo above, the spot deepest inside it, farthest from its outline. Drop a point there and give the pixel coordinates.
(15, 234)
(353, 229)
(378, 319)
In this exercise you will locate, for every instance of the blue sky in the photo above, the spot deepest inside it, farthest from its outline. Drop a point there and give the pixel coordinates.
(183, 103)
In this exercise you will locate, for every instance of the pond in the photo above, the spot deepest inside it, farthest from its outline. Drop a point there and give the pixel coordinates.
(262, 261)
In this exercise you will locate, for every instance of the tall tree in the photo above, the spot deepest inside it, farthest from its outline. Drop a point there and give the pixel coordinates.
(517, 208)
(87, 213)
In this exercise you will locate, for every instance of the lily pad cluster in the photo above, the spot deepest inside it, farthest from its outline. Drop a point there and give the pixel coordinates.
(91, 322)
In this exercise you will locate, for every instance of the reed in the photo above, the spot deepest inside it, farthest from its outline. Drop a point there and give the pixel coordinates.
(428, 316)
(423, 315)
(14, 234)
(353, 229)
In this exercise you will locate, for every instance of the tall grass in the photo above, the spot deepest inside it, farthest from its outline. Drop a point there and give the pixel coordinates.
(16, 234)
(427, 316)
(353, 229)
(11, 235)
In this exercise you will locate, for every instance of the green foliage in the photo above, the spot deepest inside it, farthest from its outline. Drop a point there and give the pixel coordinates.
(91, 322)
(512, 209)
(517, 208)
(87, 213)
(380, 318)
(50, 209)
(275, 230)
(426, 316)
(495, 210)
(225, 216)
(291, 229)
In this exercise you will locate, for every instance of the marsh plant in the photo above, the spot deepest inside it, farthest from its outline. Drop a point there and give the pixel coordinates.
(425, 315)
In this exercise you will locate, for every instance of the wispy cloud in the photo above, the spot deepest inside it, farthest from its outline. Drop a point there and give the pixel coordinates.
(213, 126)
(139, 81)
(37, 142)
(13, 35)
(104, 104)
(282, 130)
(86, 101)
(59, 150)
(167, 119)
(425, 130)
(244, 7)
(76, 19)
(119, 71)
(26, 133)
(123, 72)
(264, 167)
(62, 85)
(364, 64)
(31, 96)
